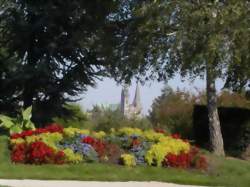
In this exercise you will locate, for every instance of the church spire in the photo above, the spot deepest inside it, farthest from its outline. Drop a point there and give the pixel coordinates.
(137, 99)
(125, 99)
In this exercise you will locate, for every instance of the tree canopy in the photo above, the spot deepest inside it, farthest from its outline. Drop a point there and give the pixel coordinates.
(52, 50)
(182, 36)
(193, 38)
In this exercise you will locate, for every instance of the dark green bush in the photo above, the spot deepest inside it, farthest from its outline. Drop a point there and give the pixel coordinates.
(235, 127)
(74, 117)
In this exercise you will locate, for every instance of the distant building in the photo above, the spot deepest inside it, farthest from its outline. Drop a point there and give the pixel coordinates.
(133, 110)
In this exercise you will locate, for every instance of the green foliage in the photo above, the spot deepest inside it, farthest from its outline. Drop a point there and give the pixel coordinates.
(235, 127)
(105, 118)
(16, 125)
(65, 50)
(187, 37)
(173, 111)
(233, 99)
(73, 117)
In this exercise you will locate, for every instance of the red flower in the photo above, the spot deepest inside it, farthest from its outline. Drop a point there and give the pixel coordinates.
(39, 152)
(18, 153)
(59, 157)
(98, 145)
(88, 140)
(15, 136)
(135, 142)
(54, 128)
(159, 130)
(51, 128)
(176, 136)
(186, 160)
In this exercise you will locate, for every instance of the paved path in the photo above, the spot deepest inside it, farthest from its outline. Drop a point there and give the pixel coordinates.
(43, 183)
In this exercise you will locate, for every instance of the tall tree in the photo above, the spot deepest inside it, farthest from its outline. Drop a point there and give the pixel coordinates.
(60, 48)
(194, 38)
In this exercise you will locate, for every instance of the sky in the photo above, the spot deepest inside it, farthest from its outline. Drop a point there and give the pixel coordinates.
(108, 92)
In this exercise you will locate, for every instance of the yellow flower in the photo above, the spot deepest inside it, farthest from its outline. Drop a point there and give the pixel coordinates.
(17, 141)
(152, 136)
(71, 131)
(99, 135)
(128, 160)
(128, 131)
(166, 145)
(72, 157)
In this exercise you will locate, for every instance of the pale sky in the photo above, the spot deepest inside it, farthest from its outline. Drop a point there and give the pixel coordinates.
(108, 92)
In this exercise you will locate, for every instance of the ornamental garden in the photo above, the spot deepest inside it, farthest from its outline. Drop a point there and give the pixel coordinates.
(126, 146)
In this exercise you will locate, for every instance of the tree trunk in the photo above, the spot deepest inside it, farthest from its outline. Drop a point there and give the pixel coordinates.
(216, 139)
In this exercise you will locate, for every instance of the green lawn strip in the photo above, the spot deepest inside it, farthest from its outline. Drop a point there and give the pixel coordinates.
(223, 172)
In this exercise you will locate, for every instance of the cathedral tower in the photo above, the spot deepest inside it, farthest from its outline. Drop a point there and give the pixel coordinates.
(131, 110)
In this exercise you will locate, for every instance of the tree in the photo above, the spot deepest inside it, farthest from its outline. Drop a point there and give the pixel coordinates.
(194, 38)
(59, 47)
(173, 110)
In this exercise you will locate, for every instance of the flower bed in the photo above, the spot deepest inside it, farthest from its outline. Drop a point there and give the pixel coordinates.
(128, 146)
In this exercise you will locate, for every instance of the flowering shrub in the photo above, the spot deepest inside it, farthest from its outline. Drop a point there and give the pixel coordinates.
(192, 159)
(18, 154)
(128, 160)
(166, 145)
(71, 132)
(98, 145)
(71, 157)
(99, 135)
(129, 146)
(51, 128)
(153, 136)
(36, 153)
(128, 131)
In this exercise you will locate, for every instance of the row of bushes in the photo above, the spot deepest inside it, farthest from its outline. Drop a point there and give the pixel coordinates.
(100, 118)
(173, 109)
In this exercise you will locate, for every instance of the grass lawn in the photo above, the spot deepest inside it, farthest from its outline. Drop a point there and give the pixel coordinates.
(222, 172)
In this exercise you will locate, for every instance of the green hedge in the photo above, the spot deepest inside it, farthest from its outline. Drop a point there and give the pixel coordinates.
(235, 127)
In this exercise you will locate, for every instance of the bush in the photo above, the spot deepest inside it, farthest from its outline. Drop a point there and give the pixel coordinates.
(105, 118)
(73, 116)
(235, 127)
(173, 111)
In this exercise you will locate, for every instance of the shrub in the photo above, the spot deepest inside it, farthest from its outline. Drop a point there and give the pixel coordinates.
(191, 159)
(105, 118)
(18, 124)
(36, 153)
(172, 111)
(156, 154)
(235, 127)
(73, 117)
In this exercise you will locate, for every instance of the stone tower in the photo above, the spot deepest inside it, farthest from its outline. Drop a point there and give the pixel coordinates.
(131, 110)
(125, 99)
